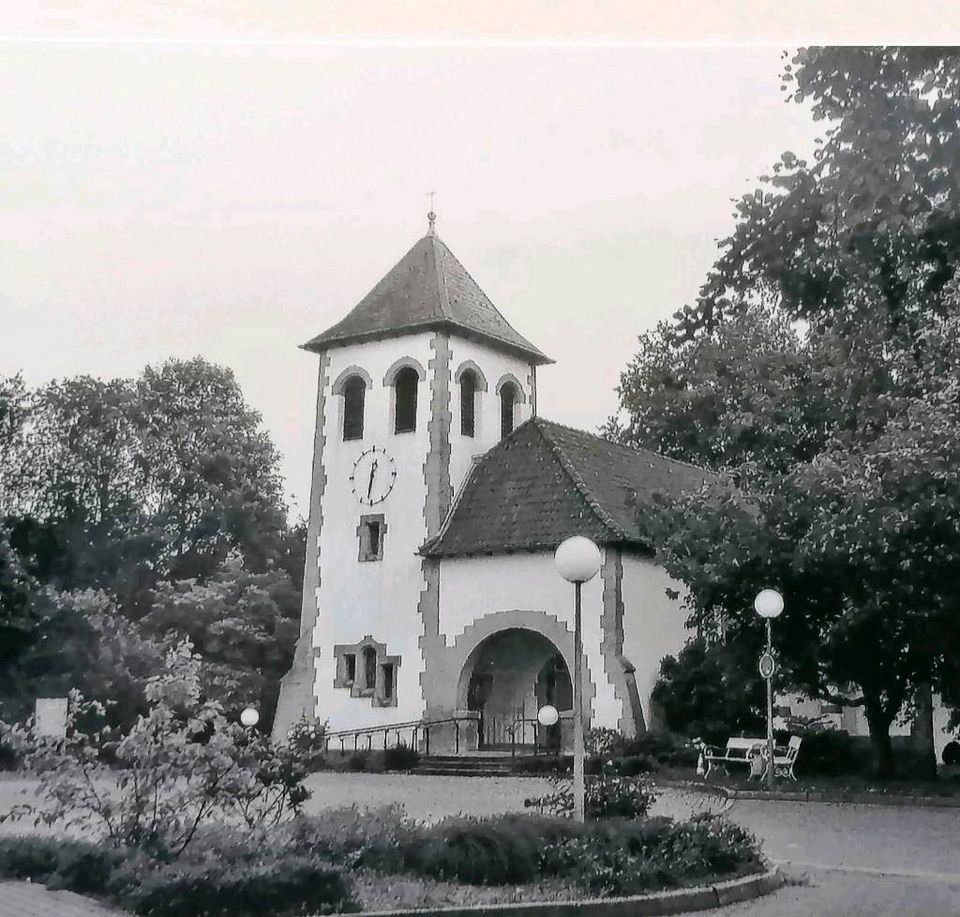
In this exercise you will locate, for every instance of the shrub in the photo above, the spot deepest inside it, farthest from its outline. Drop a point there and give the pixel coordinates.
(182, 765)
(28, 857)
(400, 758)
(951, 754)
(711, 690)
(78, 866)
(352, 837)
(831, 753)
(605, 796)
(543, 764)
(282, 885)
(358, 761)
(308, 742)
(493, 851)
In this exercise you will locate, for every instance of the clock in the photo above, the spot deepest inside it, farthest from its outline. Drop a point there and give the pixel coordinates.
(373, 476)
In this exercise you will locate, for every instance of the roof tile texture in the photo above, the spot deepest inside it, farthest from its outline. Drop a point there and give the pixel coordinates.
(547, 482)
(428, 287)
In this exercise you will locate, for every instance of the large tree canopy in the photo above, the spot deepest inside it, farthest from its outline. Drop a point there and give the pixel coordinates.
(817, 372)
(142, 489)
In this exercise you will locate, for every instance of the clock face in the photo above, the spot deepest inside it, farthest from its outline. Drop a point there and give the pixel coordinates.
(373, 476)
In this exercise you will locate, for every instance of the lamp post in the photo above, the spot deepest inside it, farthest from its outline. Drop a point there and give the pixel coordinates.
(768, 604)
(578, 561)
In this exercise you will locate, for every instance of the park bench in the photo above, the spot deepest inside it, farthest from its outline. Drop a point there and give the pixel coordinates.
(741, 751)
(752, 753)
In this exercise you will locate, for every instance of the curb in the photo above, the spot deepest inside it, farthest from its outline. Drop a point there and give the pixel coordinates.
(842, 798)
(701, 898)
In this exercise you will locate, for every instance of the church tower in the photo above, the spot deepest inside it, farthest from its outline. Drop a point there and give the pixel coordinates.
(420, 378)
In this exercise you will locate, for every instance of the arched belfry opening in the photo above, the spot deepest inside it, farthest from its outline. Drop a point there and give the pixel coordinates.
(405, 385)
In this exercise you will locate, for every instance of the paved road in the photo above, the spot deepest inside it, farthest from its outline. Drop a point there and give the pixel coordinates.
(842, 861)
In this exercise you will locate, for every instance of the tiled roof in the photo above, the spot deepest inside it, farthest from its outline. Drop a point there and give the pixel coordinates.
(427, 288)
(546, 482)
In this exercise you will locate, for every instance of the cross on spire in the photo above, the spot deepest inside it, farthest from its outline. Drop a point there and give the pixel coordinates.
(431, 216)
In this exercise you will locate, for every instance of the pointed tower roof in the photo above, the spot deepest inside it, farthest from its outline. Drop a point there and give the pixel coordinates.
(427, 288)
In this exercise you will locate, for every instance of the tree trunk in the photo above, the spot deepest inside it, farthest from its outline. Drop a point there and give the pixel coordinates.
(879, 722)
(921, 732)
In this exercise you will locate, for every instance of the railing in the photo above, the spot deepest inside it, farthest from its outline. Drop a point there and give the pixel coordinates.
(413, 728)
(522, 731)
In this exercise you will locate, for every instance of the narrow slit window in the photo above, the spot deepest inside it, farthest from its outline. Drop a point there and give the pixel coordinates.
(370, 532)
(388, 678)
(405, 400)
(370, 667)
(508, 398)
(468, 392)
(349, 668)
(354, 393)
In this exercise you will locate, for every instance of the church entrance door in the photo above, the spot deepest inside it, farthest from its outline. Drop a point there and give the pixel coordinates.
(506, 679)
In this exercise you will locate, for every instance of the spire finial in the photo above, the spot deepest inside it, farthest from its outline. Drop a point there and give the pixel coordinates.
(431, 216)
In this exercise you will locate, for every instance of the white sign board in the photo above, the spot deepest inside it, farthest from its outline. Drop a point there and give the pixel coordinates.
(51, 717)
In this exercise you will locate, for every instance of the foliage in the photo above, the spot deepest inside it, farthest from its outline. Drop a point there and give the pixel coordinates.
(625, 858)
(606, 795)
(280, 884)
(358, 761)
(817, 371)
(181, 766)
(400, 758)
(308, 739)
(621, 754)
(237, 622)
(711, 690)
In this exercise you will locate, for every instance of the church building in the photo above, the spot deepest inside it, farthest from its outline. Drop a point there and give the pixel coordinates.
(439, 496)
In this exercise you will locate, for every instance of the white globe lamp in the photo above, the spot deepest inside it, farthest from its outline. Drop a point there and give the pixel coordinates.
(250, 716)
(768, 603)
(578, 559)
(548, 715)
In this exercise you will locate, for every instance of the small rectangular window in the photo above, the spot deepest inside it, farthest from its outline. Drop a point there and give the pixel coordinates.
(370, 532)
(349, 668)
(387, 687)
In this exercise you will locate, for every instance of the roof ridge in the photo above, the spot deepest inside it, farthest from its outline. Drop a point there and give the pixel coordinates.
(471, 278)
(578, 482)
(636, 450)
(443, 294)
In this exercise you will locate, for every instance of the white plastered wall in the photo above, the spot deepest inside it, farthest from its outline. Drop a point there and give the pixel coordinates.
(377, 598)
(494, 365)
(653, 623)
(473, 587)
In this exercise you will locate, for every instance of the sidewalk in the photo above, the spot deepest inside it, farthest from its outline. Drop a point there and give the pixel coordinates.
(23, 899)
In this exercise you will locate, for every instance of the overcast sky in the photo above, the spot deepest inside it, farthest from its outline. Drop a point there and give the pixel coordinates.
(233, 201)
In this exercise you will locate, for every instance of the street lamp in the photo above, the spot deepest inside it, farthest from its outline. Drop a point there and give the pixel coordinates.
(250, 717)
(578, 562)
(768, 604)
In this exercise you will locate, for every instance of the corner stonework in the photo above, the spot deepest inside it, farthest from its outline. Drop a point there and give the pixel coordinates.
(438, 491)
(620, 671)
(297, 698)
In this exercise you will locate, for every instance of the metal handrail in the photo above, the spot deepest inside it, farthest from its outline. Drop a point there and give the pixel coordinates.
(415, 727)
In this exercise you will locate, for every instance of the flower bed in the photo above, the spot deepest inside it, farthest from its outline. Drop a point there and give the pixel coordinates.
(346, 860)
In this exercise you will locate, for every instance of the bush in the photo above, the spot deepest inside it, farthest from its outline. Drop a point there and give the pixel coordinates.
(180, 766)
(287, 884)
(358, 761)
(951, 754)
(605, 796)
(308, 741)
(29, 857)
(400, 758)
(543, 764)
(650, 751)
(78, 866)
(712, 691)
(831, 753)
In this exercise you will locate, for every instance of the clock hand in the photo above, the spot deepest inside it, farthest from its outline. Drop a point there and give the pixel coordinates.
(373, 471)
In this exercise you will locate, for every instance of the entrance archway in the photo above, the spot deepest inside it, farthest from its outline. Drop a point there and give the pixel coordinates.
(507, 678)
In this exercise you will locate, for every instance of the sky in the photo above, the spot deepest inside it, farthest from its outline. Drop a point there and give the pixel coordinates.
(232, 200)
